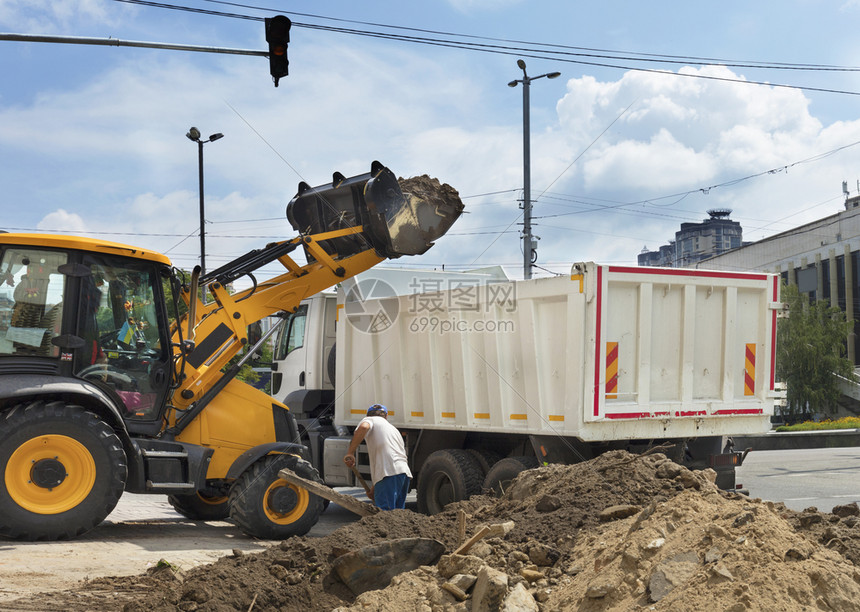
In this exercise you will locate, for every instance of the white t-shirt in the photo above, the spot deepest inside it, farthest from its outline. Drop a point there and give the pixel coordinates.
(386, 449)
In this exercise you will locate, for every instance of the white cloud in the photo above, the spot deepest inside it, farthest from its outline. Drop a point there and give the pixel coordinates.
(52, 17)
(64, 221)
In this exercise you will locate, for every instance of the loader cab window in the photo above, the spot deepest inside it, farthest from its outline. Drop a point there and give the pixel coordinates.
(119, 323)
(292, 335)
(31, 301)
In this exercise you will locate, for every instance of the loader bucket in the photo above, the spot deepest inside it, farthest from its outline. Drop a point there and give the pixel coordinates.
(393, 223)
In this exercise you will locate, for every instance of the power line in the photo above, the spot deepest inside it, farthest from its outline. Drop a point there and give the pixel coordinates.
(546, 54)
(591, 51)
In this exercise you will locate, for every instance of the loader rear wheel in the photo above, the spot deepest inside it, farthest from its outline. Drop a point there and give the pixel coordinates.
(64, 471)
(447, 476)
(501, 475)
(200, 507)
(264, 505)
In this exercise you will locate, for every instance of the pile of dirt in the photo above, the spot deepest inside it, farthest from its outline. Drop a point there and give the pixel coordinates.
(620, 532)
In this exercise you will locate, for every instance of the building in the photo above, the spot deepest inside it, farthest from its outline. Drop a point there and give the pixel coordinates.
(697, 241)
(822, 258)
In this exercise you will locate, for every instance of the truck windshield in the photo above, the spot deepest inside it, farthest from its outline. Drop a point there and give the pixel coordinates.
(292, 334)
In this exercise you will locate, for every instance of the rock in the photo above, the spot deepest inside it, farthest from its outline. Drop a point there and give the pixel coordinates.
(278, 571)
(655, 544)
(689, 479)
(531, 575)
(520, 600)
(463, 581)
(548, 503)
(451, 565)
(709, 475)
(721, 572)
(743, 519)
(600, 587)
(671, 573)
(797, 553)
(807, 519)
(713, 555)
(490, 590)
(543, 555)
(481, 549)
(843, 511)
(613, 513)
(519, 555)
(668, 469)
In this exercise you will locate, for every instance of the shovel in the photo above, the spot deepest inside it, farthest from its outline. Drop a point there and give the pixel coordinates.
(367, 489)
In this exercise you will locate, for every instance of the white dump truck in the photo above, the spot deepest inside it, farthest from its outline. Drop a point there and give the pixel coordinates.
(486, 377)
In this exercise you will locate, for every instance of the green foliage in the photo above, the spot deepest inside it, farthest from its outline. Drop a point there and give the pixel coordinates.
(843, 423)
(810, 350)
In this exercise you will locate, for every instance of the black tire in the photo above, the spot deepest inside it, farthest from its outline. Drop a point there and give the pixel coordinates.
(200, 507)
(485, 458)
(64, 470)
(266, 506)
(447, 476)
(499, 477)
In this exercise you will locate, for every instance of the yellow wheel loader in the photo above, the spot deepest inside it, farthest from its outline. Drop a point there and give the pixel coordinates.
(115, 375)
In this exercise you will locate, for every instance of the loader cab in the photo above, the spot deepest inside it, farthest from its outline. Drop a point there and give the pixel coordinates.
(95, 315)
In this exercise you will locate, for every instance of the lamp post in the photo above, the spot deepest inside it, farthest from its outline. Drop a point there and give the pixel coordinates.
(528, 250)
(194, 135)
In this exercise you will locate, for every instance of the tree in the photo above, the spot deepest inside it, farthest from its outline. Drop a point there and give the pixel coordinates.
(811, 348)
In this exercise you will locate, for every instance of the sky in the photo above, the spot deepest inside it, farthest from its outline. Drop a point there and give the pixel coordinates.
(662, 112)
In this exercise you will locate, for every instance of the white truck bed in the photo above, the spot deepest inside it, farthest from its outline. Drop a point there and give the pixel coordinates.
(604, 353)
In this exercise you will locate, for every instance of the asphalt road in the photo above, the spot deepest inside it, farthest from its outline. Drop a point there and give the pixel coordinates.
(820, 477)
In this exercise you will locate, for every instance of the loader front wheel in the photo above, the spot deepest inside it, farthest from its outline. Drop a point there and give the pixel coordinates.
(200, 507)
(264, 505)
(64, 471)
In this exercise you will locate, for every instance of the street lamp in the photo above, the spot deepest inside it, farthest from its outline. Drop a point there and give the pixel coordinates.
(194, 135)
(528, 248)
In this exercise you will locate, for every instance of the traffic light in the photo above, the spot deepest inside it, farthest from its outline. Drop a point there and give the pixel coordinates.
(278, 37)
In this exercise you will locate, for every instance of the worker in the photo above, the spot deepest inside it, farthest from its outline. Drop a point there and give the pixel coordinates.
(389, 470)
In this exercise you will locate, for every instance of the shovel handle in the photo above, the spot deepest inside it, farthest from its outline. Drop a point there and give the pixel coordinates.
(361, 480)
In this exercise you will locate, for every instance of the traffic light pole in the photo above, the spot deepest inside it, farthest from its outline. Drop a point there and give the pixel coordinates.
(115, 42)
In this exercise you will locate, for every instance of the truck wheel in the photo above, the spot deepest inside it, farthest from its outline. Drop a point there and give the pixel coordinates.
(447, 476)
(265, 506)
(499, 477)
(485, 458)
(64, 471)
(331, 364)
(200, 507)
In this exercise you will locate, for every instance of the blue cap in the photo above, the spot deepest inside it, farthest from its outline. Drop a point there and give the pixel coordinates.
(378, 408)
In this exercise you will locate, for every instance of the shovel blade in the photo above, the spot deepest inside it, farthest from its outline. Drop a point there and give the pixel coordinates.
(373, 567)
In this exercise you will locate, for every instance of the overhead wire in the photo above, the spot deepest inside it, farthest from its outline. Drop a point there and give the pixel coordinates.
(562, 56)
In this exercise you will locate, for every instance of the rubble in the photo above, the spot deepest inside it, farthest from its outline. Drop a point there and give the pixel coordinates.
(621, 533)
